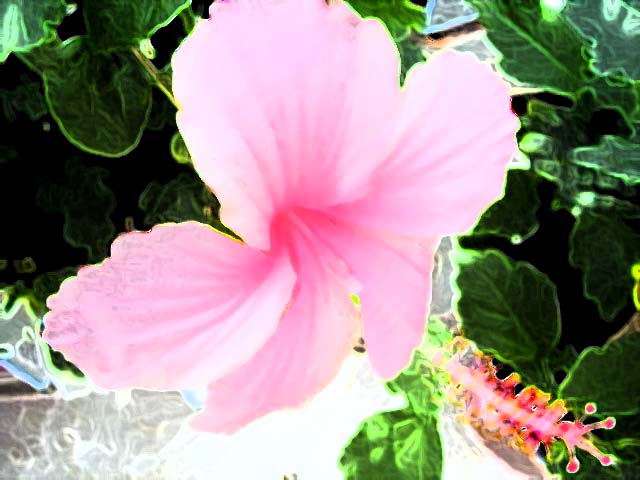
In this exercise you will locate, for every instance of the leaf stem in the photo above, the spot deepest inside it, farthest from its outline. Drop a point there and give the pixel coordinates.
(155, 75)
(633, 325)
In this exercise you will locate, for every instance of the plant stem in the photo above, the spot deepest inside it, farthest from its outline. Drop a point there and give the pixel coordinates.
(155, 75)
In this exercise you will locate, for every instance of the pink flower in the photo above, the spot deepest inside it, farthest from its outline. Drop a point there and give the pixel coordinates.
(337, 180)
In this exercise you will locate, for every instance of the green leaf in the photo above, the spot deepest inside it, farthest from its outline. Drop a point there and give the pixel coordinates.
(625, 442)
(422, 384)
(635, 4)
(179, 150)
(41, 288)
(613, 28)
(101, 102)
(184, 198)
(570, 126)
(534, 51)
(400, 16)
(189, 20)
(575, 189)
(394, 445)
(604, 248)
(27, 98)
(27, 23)
(47, 284)
(550, 135)
(120, 25)
(614, 156)
(7, 154)
(617, 93)
(506, 307)
(541, 373)
(514, 215)
(86, 204)
(163, 113)
(564, 127)
(607, 376)
(411, 52)
(604, 204)
(572, 179)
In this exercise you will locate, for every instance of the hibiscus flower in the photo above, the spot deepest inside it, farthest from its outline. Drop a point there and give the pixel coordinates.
(338, 181)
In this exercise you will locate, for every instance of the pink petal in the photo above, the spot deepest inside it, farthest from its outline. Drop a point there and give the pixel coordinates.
(314, 337)
(452, 142)
(172, 308)
(283, 104)
(395, 275)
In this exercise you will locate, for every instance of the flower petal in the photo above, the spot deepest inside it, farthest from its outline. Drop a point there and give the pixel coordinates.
(453, 140)
(172, 308)
(395, 277)
(279, 113)
(314, 337)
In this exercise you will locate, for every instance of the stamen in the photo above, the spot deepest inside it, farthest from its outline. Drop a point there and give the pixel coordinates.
(574, 465)
(590, 408)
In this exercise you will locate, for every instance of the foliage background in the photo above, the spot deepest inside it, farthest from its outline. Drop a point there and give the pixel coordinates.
(89, 149)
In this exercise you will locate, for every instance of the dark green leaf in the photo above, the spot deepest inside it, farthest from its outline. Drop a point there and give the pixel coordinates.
(163, 113)
(576, 184)
(184, 198)
(604, 248)
(7, 154)
(550, 134)
(535, 51)
(539, 373)
(27, 23)
(179, 149)
(604, 204)
(565, 127)
(607, 376)
(41, 288)
(613, 28)
(614, 156)
(101, 102)
(410, 53)
(400, 16)
(394, 445)
(514, 215)
(47, 284)
(507, 307)
(633, 4)
(86, 204)
(120, 25)
(570, 126)
(616, 93)
(625, 442)
(26, 98)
